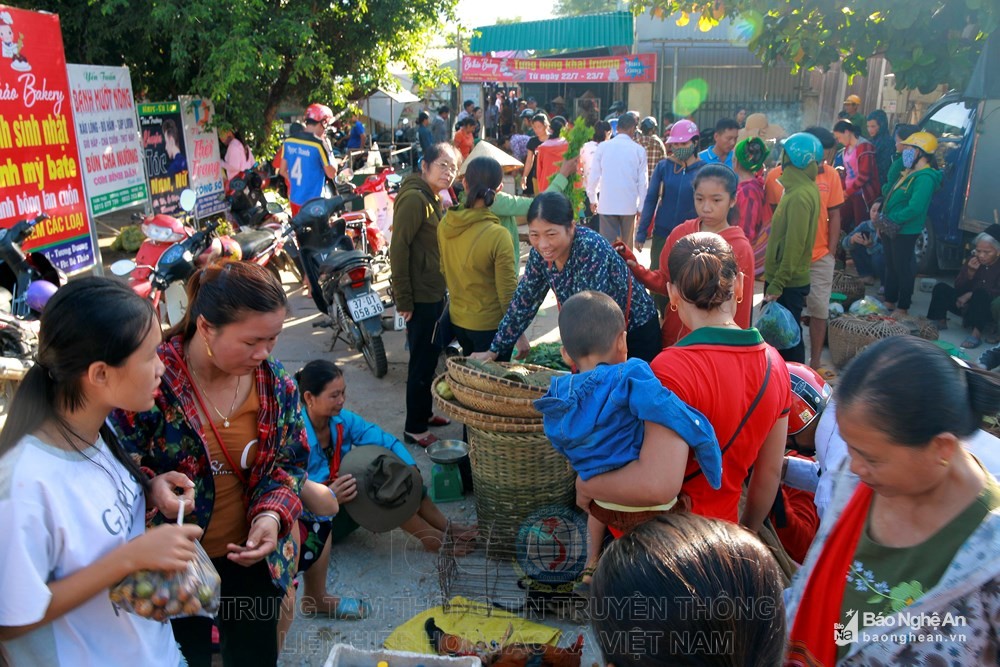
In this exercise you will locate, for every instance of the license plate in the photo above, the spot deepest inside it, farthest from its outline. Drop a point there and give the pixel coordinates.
(365, 306)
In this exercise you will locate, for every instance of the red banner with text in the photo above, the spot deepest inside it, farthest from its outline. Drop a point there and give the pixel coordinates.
(39, 162)
(605, 69)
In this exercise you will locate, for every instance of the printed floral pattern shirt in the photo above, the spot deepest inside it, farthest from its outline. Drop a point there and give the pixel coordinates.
(170, 436)
(592, 265)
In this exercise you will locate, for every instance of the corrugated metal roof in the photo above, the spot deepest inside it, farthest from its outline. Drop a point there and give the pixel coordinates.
(577, 32)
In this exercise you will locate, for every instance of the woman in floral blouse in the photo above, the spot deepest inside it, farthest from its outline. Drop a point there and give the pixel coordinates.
(567, 259)
(228, 417)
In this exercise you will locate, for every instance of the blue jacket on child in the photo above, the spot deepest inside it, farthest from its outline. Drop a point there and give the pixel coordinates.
(595, 419)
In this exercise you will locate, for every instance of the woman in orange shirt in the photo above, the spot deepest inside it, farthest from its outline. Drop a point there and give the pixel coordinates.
(715, 202)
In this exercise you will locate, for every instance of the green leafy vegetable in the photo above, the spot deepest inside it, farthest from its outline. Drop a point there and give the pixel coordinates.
(576, 138)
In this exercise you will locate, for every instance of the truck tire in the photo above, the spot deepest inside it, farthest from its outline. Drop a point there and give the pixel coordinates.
(925, 250)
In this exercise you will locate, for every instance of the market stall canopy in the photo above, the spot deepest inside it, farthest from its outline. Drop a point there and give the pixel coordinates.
(985, 81)
(385, 107)
(578, 32)
(486, 149)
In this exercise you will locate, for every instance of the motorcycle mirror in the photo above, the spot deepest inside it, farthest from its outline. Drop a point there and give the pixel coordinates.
(123, 267)
(188, 199)
(345, 176)
(275, 208)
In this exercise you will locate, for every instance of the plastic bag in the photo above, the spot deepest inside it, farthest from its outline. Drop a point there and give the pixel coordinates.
(868, 306)
(193, 591)
(778, 327)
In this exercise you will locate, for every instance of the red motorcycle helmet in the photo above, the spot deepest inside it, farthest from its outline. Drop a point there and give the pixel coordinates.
(319, 113)
(810, 395)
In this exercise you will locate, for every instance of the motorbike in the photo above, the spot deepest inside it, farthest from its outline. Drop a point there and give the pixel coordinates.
(27, 280)
(166, 280)
(340, 279)
(263, 225)
(367, 227)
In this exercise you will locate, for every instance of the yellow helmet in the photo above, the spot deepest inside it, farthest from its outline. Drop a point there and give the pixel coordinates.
(925, 141)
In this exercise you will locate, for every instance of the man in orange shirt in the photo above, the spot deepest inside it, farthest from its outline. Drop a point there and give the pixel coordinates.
(831, 197)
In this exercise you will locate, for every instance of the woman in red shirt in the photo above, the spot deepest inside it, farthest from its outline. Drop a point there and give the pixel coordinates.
(731, 376)
(715, 202)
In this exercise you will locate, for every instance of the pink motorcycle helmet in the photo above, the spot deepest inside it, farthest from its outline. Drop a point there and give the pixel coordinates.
(682, 131)
(38, 294)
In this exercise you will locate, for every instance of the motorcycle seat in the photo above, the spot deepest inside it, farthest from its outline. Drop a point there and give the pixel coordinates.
(341, 260)
(253, 242)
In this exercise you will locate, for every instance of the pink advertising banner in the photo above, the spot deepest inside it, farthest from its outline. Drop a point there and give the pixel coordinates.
(639, 68)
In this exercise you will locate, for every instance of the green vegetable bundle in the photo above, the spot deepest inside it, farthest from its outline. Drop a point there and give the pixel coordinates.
(576, 138)
(548, 355)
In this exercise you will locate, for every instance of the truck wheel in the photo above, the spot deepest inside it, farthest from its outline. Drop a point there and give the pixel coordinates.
(925, 250)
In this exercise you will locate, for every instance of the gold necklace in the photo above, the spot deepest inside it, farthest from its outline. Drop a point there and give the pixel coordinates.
(232, 408)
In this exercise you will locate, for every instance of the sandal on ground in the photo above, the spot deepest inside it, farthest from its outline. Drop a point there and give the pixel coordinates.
(971, 343)
(992, 338)
(827, 374)
(424, 442)
(348, 609)
(438, 420)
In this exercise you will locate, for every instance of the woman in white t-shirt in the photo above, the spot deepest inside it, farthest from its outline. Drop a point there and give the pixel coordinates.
(73, 505)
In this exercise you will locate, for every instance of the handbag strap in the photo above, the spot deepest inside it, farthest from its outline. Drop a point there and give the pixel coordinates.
(201, 403)
(746, 417)
(335, 457)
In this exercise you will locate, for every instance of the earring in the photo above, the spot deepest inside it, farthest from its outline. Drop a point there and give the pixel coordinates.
(944, 462)
(739, 300)
(208, 350)
(673, 308)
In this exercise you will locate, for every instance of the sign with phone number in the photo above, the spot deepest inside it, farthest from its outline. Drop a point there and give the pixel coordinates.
(639, 68)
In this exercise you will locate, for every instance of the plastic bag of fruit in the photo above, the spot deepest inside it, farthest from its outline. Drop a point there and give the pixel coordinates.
(194, 591)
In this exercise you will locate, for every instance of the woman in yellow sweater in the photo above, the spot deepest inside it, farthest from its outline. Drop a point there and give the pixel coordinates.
(477, 259)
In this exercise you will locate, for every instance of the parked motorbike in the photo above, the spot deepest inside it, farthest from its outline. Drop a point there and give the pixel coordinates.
(264, 225)
(27, 280)
(368, 227)
(167, 278)
(340, 279)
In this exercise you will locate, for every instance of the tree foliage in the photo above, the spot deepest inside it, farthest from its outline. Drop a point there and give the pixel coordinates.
(578, 7)
(251, 56)
(928, 42)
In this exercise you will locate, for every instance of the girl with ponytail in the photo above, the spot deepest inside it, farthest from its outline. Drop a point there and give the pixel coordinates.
(477, 259)
(73, 504)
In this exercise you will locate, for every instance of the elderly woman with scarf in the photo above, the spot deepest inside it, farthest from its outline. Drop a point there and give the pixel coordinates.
(754, 215)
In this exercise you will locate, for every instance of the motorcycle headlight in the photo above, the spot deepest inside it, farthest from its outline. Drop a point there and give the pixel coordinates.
(161, 234)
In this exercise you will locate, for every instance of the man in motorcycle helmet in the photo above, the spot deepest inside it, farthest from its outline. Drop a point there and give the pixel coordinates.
(810, 396)
(306, 162)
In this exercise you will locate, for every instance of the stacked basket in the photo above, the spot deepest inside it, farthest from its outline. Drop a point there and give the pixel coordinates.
(849, 335)
(515, 470)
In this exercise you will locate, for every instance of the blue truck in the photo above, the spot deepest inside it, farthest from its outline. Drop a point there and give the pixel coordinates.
(968, 129)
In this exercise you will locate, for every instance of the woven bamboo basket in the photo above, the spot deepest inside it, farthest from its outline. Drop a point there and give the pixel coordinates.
(482, 420)
(921, 327)
(848, 285)
(849, 334)
(493, 404)
(475, 379)
(516, 475)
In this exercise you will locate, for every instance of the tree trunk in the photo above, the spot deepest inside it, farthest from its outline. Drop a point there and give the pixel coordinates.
(276, 94)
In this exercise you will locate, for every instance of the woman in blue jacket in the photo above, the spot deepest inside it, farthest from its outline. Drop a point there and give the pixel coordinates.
(670, 196)
(332, 431)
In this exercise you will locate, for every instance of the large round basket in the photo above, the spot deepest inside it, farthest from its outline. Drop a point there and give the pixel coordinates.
(848, 285)
(491, 384)
(493, 404)
(516, 475)
(849, 334)
(921, 327)
(483, 420)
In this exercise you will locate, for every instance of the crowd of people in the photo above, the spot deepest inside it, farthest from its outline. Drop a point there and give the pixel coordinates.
(710, 456)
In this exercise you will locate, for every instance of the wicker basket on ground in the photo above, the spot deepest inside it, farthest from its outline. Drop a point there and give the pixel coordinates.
(482, 420)
(516, 475)
(473, 378)
(849, 334)
(848, 285)
(921, 327)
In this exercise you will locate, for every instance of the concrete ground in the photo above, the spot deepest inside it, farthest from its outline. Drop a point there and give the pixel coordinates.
(392, 570)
